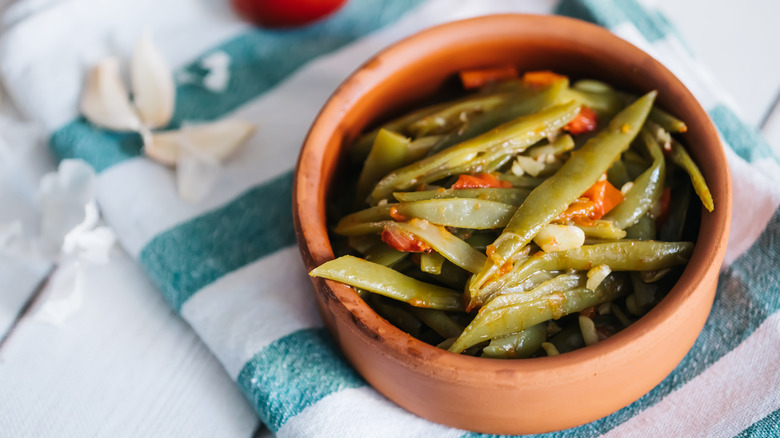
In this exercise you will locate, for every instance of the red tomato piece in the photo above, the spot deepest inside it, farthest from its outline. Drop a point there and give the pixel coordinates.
(597, 201)
(481, 180)
(584, 122)
(479, 77)
(285, 13)
(403, 241)
(542, 78)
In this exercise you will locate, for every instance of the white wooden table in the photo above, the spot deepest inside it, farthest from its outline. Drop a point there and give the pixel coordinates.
(126, 365)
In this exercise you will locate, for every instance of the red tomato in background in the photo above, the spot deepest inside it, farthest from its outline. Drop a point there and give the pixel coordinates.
(285, 13)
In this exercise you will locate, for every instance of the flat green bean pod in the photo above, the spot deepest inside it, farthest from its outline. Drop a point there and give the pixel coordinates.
(680, 157)
(518, 345)
(443, 242)
(645, 191)
(506, 196)
(541, 306)
(385, 281)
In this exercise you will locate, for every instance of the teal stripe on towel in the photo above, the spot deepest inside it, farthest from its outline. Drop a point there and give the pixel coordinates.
(767, 427)
(611, 13)
(194, 254)
(745, 140)
(294, 373)
(747, 295)
(259, 59)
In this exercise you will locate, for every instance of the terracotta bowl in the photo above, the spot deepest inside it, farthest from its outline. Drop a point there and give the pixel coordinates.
(507, 396)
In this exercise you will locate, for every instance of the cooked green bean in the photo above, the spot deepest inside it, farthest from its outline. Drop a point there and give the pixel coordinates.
(385, 281)
(505, 196)
(399, 317)
(459, 212)
(443, 242)
(454, 116)
(431, 262)
(384, 255)
(643, 229)
(600, 229)
(588, 330)
(621, 255)
(645, 191)
(490, 324)
(439, 321)
(552, 197)
(518, 345)
(667, 121)
(388, 153)
(617, 174)
(509, 138)
(561, 282)
(680, 157)
(560, 146)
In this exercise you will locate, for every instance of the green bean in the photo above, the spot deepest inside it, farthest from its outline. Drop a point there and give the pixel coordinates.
(617, 174)
(605, 104)
(524, 182)
(553, 196)
(645, 191)
(505, 196)
(384, 255)
(509, 138)
(459, 212)
(643, 229)
(680, 157)
(456, 115)
(480, 241)
(515, 297)
(442, 241)
(439, 321)
(385, 281)
(622, 255)
(643, 296)
(672, 229)
(601, 229)
(360, 228)
(568, 339)
(518, 345)
(527, 101)
(667, 121)
(362, 145)
(388, 153)
(431, 262)
(397, 316)
(538, 308)
(592, 86)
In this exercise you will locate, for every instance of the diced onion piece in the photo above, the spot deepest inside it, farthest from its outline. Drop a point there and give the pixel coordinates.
(596, 276)
(523, 165)
(588, 330)
(550, 349)
(626, 188)
(560, 238)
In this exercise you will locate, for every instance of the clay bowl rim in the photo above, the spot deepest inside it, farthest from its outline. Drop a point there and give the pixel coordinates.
(315, 247)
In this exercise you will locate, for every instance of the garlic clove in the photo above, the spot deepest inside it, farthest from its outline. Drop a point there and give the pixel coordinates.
(163, 147)
(217, 140)
(154, 92)
(104, 100)
(221, 138)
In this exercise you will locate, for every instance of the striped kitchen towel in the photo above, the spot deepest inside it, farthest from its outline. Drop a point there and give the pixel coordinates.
(229, 264)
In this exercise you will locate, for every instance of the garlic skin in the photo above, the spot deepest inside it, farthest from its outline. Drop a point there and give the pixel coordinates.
(105, 101)
(154, 91)
(216, 140)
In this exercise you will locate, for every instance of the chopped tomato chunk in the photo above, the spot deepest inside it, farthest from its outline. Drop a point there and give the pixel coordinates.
(479, 77)
(481, 180)
(542, 78)
(584, 122)
(597, 201)
(403, 241)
